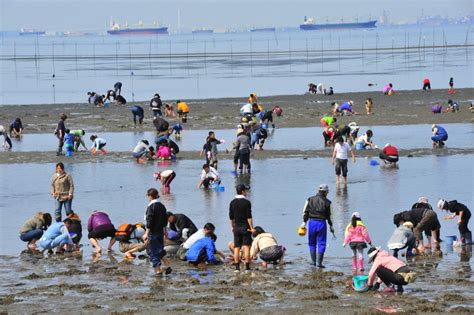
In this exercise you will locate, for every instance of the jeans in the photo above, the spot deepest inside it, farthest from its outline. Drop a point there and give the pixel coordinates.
(31, 235)
(59, 206)
(317, 230)
(59, 241)
(156, 249)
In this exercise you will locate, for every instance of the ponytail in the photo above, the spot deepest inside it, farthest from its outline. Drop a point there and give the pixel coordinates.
(354, 221)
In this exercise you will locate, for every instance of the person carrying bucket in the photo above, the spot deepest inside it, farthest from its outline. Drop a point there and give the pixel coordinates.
(389, 270)
(463, 213)
(317, 210)
(357, 236)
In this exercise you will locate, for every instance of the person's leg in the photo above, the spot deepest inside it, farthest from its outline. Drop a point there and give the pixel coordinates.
(389, 277)
(360, 254)
(96, 245)
(354, 259)
(60, 241)
(321, 239)
(312, 240)
(395, 253)
(60, 146)
(246, 252)
(338, 172)
(344, 172)
(31, 237)
(68, 207)
(134, 119)
(57, 210)
(111, 243)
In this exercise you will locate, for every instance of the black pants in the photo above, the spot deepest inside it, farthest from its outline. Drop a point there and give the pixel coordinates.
(463, 228)
(389, 277)
(202, 258)
(426, 86)
(388, 158)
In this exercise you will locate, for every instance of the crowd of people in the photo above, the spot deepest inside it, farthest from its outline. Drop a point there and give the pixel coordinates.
(165, 234)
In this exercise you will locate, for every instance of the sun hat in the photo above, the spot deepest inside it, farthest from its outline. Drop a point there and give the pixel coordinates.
(323, 187)
(423, 200)
(408, 224)
(373, 252)
(356, 214)
(441, 203)
(388, 144)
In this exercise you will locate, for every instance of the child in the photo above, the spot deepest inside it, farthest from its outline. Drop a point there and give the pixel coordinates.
(97, 144)
(169, 110)
(388, 89)
(69, 142)
(163, 152)
(368, 105)
(356, 235)
(436, 109)
(177, 128)
(166, 177)
(76, 229)
(452, 107)
(210, 149)
(365, 141)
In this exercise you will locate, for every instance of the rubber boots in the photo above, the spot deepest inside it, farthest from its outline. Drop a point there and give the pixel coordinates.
(313, 257)
(320, 260)
(467, 238)
(361, 264)
(354, 263)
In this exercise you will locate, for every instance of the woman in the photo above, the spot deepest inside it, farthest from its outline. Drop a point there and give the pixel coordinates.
(33, 229)
(165, 177)
(340, 158)
(266, 244)
(100, 227)
(462, 212)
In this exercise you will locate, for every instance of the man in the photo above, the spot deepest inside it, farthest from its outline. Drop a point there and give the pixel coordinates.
(389, 155)
(340, 159)
(202, 251)
(62, 190)
(183, 110)
(240, 215)
(57, 235)
(317, 210)
(78, 140)
(61, 132)
(16, 128)
(155, 231)
(118, 88)
(463, 213)
(137, 112)
(209, 175)
(155, 106)
(181, 224)
(208, 229)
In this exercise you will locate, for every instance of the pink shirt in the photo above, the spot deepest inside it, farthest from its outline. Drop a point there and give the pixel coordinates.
(385, 260)
(357, 234)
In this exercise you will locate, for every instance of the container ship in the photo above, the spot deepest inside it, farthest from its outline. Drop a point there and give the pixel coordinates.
(203, 31)
(309, 25)
(30, 31)
(139, 29)
(263, 29)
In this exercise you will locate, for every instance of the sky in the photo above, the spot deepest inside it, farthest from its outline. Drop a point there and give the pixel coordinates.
(56, 15)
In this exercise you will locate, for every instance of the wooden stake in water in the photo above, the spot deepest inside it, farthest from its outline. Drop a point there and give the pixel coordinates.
(54, 89)
(131, 84)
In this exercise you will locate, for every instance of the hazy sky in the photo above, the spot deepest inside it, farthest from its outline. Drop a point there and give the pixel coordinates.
(94, 14)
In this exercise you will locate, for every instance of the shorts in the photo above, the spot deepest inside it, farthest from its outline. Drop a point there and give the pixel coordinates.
(389, 158)
(357, 245)
(125, 247)
(341, 165)
(272, 254)
(244, 156)
(242, 237)
(103, 231)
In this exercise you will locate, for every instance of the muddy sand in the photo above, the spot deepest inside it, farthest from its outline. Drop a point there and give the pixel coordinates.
(404, 107)
(108, 284)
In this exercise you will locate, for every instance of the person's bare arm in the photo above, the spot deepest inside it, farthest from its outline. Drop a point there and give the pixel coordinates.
(353, 156)
(333, 156)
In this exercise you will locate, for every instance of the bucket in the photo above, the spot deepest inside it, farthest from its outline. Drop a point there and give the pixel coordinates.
(359, 146)
(359, 283)
(221, 188)
(374, 163)
(450, 240)
(265, 126)
(301, 231)
(214, 186)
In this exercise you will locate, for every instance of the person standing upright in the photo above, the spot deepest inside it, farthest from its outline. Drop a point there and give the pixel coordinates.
(60, 132)
(340, 158)
(317, 210)
(62, 190)
(240, 215)
(156, 222)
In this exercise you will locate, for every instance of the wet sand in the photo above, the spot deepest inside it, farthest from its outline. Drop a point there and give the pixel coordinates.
(404, 107)
(109, 284)
(87, 157)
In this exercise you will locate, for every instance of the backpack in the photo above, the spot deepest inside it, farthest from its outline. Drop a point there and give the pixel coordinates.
(124, 231)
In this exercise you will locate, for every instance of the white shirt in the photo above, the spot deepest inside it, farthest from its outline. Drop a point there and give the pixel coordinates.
(246, 109)
(193, 238)
(364, 139)
(211, 174)
(166, 173)
(342, 151)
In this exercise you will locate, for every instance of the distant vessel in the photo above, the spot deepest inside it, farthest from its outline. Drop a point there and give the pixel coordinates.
(202, 31)
(308, 25)
(140, 29)
(30, 31)
(263, 29)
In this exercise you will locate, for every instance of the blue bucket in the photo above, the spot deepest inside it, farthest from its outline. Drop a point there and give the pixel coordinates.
(359, 146)
(214, 186)
(265, 126)
(360, 283)
(374, 163)
(221, 188)
(450, 240)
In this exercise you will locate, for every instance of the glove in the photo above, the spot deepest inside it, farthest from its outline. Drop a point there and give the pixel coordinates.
(332, 230)
(376, 286)
(303, 224)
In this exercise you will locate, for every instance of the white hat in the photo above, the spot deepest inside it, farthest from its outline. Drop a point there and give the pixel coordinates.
(388, 144)
(356, 214)
(423, 200)
(441, 203)
(323, 187)
(408, 224)
(373, 252)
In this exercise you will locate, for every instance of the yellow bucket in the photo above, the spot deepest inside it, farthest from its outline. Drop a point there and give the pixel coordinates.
(301, 231)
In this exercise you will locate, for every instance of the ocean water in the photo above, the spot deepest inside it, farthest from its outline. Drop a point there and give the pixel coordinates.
(460, 136)
(279, 188)
(234, 64)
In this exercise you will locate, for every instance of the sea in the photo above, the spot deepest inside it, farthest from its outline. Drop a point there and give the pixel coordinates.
(53, 69)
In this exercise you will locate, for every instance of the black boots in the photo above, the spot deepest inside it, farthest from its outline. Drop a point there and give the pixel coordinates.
(466, 238)
(320, 260)
(313, 257)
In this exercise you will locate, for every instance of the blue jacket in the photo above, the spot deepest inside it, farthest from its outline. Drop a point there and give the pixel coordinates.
(54, 230)
(193, 252)
(441, 131)
(69, 138)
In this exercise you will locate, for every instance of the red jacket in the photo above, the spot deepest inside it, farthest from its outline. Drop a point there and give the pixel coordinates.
(390, 150)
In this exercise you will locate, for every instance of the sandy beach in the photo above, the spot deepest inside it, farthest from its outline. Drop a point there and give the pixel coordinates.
(404, 107)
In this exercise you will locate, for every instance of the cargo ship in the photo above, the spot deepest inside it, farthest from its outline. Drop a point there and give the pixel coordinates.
(30, 31)
(263, 29)
(203, 31)
(309, 25)
(139, 29)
